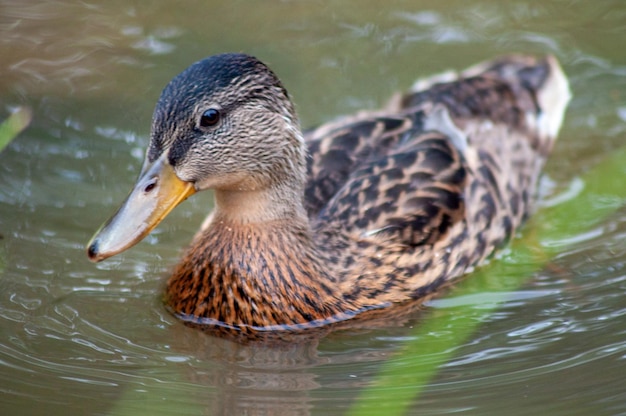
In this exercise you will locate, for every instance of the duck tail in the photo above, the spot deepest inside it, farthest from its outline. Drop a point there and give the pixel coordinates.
(521, 91)
(541, 89)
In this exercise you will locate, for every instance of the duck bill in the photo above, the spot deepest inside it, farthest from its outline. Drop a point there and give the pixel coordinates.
(157, 191)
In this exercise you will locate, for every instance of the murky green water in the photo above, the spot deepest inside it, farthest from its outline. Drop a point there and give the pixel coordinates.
(82, 339)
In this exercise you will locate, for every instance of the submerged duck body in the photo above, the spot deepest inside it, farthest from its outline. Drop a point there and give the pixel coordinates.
(362, 213)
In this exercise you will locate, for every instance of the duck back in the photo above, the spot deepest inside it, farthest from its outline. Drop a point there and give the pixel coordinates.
(428, 187)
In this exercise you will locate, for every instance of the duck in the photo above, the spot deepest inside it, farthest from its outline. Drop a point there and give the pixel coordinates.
(314, 227)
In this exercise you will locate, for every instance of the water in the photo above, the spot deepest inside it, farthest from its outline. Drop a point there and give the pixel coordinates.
(83, 339)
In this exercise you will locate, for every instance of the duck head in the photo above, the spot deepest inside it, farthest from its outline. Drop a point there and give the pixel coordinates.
(225, 123)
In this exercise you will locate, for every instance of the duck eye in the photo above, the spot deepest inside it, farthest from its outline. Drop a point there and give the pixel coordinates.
(209, 118)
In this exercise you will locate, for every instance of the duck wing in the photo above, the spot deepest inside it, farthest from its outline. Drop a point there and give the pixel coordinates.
(408, 172)
(405, 183)
(337, 149)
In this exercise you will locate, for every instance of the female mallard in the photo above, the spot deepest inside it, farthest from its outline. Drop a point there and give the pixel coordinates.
(359, 214)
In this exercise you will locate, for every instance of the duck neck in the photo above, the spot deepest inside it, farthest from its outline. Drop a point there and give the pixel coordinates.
(278, 203)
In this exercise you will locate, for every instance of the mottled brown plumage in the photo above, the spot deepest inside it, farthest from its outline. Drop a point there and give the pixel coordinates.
(365, 212)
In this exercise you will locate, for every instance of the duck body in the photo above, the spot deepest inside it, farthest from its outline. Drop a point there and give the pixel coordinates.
(362, 213)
